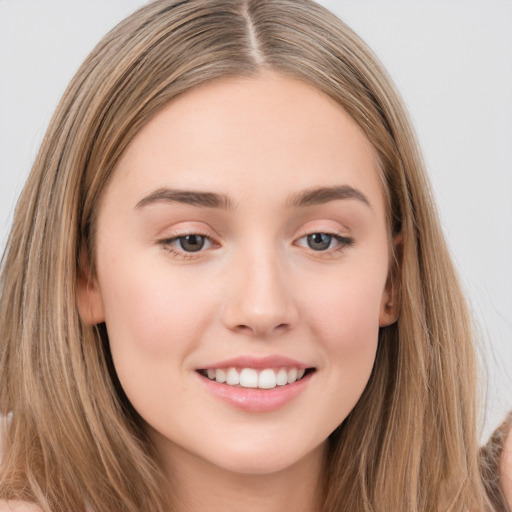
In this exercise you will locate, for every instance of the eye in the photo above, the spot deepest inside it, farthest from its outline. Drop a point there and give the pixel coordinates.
(191, 243)
(186, 245)
(321, 242)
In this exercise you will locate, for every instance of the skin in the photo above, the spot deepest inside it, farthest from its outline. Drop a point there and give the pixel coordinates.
(256, 287)
(244, 138)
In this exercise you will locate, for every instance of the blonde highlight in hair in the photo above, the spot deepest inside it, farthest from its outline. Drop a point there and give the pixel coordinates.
(73, 439)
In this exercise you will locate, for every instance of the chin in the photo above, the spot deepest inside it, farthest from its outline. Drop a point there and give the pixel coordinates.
(258, 467)
(258, 460)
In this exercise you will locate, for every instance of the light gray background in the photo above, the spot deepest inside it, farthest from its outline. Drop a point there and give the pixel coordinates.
(452, 61)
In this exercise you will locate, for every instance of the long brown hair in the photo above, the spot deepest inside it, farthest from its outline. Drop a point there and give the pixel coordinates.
(73, 440)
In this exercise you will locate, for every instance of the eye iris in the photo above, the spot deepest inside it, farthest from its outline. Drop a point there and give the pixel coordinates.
(319, 241)
(192, 243)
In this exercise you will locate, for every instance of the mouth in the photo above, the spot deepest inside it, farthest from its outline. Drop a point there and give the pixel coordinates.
(261, 378)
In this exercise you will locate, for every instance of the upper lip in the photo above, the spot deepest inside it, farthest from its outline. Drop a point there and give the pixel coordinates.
(274, 361)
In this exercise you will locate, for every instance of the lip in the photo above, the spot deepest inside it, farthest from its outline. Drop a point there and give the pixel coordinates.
(258, 363)
(256, 399)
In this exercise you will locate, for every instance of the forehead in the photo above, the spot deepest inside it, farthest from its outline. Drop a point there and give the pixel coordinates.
(277, 133)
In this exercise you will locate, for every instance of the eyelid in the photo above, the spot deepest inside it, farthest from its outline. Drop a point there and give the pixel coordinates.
(167, 243)
(338, 234)
(327, 227)
(345, 241)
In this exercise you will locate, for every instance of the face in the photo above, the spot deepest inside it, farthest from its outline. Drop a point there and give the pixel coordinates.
(242, 266)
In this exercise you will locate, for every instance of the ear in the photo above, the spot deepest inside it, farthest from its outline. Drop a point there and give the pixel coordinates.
(88, 296)
(390, 303)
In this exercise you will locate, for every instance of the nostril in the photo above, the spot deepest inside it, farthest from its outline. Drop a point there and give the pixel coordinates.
(258, 315)
(242, 327)
(262, 330)
(282, 327)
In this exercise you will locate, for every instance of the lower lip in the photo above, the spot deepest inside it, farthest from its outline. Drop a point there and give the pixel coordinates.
(255, 399)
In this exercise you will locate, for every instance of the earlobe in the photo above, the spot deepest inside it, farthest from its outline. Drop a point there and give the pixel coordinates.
(388, 311)
(389, 308)
(88, 296)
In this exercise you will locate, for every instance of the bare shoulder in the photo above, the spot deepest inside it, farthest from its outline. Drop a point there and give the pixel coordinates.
(506, 468)
(18, 506)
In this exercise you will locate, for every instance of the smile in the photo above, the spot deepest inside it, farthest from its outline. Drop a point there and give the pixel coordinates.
(256, 389)
(266, 378)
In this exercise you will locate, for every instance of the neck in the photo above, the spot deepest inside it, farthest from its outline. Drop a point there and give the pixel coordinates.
(196, 485)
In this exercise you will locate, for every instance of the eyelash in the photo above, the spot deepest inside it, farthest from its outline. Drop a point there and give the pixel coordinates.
(343, 242)
(167, 244)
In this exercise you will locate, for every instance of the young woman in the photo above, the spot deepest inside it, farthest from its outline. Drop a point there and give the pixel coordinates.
(226, 287)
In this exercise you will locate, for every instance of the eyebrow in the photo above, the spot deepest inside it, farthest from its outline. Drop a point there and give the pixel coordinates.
(321, 195)
(190, 197)
(308, 197)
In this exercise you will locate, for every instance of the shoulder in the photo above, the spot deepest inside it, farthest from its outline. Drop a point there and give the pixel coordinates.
(506, 467)
(18, 506)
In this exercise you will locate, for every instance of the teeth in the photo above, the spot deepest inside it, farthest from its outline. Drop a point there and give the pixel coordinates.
(233, 377)
(292, 375)
(282, 377)
(248, 378)
(268, 378)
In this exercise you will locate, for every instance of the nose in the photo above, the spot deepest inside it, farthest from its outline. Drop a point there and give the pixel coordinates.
(261, 302)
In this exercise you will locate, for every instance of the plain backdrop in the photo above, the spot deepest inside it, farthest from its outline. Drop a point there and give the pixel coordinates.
(451, 60)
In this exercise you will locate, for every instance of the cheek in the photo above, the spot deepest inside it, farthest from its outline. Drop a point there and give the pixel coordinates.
(153, 326)
(346, 314)
(345, 321)
(153, 316)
